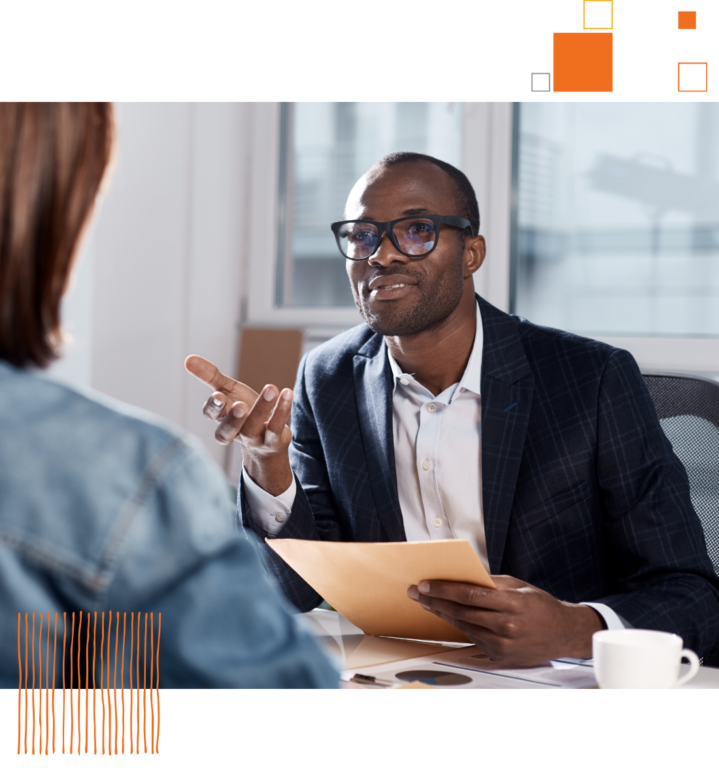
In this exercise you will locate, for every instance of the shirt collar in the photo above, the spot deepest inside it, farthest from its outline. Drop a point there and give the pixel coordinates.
(472, 376)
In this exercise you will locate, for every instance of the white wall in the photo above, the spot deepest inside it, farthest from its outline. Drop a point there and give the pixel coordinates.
(161, 276)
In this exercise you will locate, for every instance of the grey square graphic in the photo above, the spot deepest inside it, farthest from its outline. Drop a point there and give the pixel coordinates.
(541, 82)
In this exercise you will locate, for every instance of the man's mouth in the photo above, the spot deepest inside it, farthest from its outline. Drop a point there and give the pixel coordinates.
(390, 291)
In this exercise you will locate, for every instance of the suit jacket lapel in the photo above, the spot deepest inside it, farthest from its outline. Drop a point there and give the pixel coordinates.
(507, 387)
(373, 388)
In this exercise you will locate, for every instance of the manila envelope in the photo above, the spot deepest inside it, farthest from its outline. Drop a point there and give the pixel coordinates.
(367, 582)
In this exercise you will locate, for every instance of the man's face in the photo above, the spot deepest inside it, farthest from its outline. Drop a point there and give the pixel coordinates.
(399, 295)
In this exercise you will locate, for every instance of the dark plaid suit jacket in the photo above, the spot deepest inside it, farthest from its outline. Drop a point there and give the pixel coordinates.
(582, 493)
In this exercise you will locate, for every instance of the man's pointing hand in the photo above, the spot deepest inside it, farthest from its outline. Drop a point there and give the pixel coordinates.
(257, 422)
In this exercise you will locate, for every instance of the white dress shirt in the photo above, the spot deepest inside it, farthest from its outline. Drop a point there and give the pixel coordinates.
(437, 449)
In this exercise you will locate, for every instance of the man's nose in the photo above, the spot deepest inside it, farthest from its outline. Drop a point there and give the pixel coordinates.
(386, 253)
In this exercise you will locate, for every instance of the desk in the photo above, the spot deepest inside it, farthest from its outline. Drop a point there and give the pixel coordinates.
(384, 658)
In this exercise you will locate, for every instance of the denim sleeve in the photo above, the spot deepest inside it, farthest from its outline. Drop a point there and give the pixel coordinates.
(224, 624)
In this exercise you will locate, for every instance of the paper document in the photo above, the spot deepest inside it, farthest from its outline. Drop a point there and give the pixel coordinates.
(457, 669)
(367, 583)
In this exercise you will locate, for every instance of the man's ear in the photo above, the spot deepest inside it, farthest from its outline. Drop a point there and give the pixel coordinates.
(475, 250)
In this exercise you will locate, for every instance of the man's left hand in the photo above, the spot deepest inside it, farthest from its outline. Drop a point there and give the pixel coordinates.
(516, 625)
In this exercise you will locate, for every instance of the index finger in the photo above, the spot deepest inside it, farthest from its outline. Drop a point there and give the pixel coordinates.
(211, 375)
(467, 594)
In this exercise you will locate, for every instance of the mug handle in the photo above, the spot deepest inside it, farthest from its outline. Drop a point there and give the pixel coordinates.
(693, 667)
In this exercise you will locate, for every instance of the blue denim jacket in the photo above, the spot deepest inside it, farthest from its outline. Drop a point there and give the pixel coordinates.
(106, 508)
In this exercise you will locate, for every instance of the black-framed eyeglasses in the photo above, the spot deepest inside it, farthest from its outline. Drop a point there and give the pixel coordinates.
(410, 235)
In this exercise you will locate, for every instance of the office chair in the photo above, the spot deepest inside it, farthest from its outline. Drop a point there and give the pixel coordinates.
(688, 410)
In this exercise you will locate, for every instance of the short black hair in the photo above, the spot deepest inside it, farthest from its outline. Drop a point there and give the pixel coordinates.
(466, 197)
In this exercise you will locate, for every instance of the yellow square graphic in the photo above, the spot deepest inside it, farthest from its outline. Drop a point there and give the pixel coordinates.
(598, 14)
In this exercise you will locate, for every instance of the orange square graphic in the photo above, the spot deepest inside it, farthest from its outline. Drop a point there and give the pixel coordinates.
(687, 19)
(693, 77)
(583, 61)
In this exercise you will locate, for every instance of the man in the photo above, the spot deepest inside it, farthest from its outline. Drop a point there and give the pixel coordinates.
(444, 417)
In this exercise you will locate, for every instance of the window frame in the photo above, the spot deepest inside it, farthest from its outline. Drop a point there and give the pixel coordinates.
(652, 353)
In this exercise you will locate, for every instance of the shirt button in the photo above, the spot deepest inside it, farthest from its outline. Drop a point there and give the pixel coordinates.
(404, 381)
(281, 518)
(436, 522)
(426, 464)
(432, 407)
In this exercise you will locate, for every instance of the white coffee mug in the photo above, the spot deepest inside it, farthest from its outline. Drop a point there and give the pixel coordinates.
(641, 658)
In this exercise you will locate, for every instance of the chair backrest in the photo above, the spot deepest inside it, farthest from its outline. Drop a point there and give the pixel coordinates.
(688, 410)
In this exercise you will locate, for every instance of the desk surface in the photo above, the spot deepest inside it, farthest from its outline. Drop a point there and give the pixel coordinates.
(384, 658)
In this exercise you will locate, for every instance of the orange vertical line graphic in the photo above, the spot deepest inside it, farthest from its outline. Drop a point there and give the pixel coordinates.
(144, 659)
(63, 729)
(94, 720)
(94, 656)
(54, 651)
(152, 670)
(122, 678)
(79, 641)
(137, 680)
(117, 638)
(122, 667)
(145, 745)
(41, 708)
(19, 686)
(46, 751)
(109, 703)
(87, 679)
(26, 683)
(39, 651)
(47, 654)
(132, 697)
(75, 694)
(114, 676)
(152, 647)
(159, 629)
(64, 636)
(94, 639)
(53, 721)
(109, 632)
(72, 720)
(33, 733)
(47, 683)
(102, 651)
(158, 727)
(132, 638)
(18, 747)
(103, 714)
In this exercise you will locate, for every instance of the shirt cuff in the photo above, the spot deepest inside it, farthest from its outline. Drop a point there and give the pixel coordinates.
(268, 512)
(611, 619)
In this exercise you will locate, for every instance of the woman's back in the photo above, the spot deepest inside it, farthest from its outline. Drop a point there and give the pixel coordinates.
(104, 508)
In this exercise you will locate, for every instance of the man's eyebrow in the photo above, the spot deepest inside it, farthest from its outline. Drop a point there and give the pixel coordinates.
(416, 211)
(407, 212)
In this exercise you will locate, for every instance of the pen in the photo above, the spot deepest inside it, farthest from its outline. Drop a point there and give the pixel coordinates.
(370, 680)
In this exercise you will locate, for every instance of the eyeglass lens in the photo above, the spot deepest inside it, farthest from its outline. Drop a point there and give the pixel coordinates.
(415, 237)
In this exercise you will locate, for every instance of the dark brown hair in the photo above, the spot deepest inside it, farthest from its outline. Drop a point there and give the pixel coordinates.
(466, 197)
(52, 161)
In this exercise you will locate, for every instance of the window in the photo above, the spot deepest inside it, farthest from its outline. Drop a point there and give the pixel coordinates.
(616, 227)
